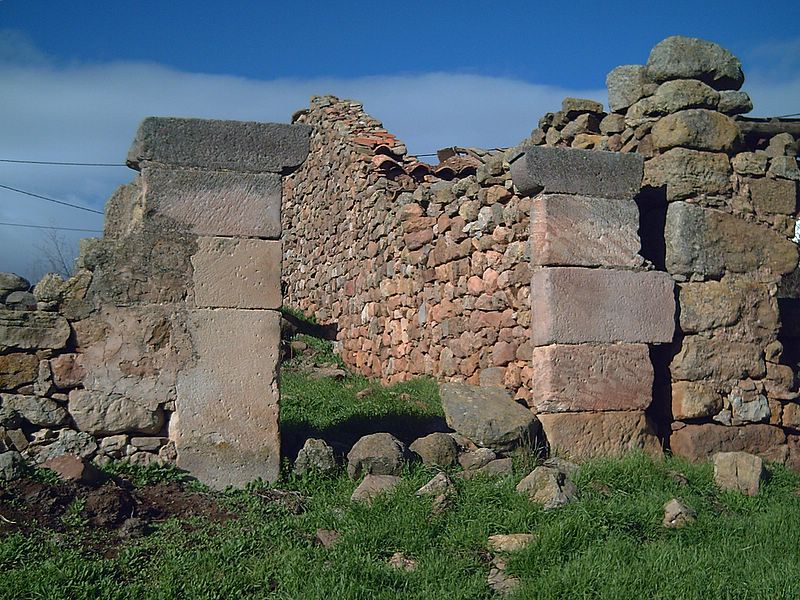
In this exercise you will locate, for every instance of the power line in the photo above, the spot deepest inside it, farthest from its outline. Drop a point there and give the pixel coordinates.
(50, 227)
(91, 210)
(66, 164)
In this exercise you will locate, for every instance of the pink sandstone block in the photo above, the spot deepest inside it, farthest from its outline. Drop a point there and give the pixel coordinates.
(216, 202)
(580, 436)
(237, 273)
(591, 378)
(584, 231)
(572, 305)
(226, 421)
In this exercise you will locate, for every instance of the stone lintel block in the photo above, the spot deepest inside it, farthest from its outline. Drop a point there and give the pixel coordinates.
(586, 378)
(573, 171)
(226, 432)
(237, 273)
(709, 242)
(216, 202)
(584, 231)
(244, 146)
(581, 436)
(572, 305)
(701, 442)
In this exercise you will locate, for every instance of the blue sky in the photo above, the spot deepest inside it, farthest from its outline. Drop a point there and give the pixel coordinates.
(79, 76)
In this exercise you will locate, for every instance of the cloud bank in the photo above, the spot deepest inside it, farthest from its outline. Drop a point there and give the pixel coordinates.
(89, 113)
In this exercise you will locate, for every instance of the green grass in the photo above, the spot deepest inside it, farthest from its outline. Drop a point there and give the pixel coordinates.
(609, 544)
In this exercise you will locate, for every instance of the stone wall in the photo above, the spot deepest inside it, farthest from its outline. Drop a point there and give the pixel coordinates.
(164, 345)
(426, 269)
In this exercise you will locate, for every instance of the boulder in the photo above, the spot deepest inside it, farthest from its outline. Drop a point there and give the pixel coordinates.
(625, 86)
(12, 466)
(373, 486)
(694, 400)
(679, 57)
(732, 102)
(11, 282)
(439, 484)
(68, 442)
(50, 288)
(689, 173)
(101, 413)
(376, 454)
(696, 128)
(437, 449)
(487, 416)
(475, 459)
(739, 471)
(17, 369)
(21, 301)
(549, 487)
(36, 410)
(70, 467)
(499, 467)
(717, 358)
(315, 455)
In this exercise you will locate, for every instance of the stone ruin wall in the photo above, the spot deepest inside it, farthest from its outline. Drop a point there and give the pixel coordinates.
(164, 345)
(428, 274)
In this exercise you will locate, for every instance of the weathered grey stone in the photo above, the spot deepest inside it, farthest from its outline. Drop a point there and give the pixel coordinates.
(784, 167)
(549, 487)
(734, 102)
(216, 202)
(584, 172)
(579, 378)
(50, 288)
(68, 442)
(689, 173)
(35, 410)
(580, 436)
(436, 449)
(747, 404)
(103, 413)
(584, 231)
(373, 486)
(475, 459)
(709, 242)
(376, 454)
(488, 416)
(12, 465)
(17, 369)
(678, 515)
(612, 124)
(694, 400)
(625, 86)
(229, 435)
(679, 57)
(717, 358)
(739, 471)
(679, 94)
(439, 484)
(750, 163)
(700, 442)
(575, 305)
(499, 467)
(32, 330)
(21, 301)
(237, 273)
(213, 144)
(782, 144)
(148, 444)
(124, 210)
(315, 455)
(11, 282)
(572, 107)
(696, 128)
(113, 445)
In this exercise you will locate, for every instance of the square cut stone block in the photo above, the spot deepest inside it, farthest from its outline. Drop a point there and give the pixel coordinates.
(572, 305)
(584, 231)
(581, 436)
(573, 171)
(217, 144)
(226, 432)
(216, 202)
(591, 378)
(237, 273)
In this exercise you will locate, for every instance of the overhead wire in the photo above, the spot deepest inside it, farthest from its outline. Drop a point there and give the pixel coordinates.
(48, 199)
(61, 163)
(50, 227)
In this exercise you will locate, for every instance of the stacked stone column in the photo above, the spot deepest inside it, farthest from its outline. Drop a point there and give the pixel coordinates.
(220, 181)
(595, 307)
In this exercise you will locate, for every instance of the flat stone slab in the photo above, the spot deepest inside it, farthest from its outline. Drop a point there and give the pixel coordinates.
(216, 202)
(701, 442)
(580, 436)
(237, 273)
(573, 305)
(570, 378)
(226, 432)
(244, 146)
(584, 231)
(572, 171)
(32, 330)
